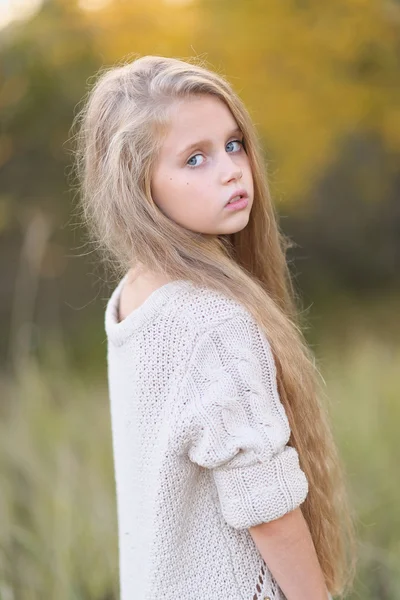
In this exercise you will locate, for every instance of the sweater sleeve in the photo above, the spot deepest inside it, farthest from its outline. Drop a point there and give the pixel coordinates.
(237, 427)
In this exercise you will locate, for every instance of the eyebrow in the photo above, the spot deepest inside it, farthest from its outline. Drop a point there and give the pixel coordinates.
(204, 142)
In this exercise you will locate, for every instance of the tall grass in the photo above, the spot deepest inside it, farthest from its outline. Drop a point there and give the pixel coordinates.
(364, 386)
(58, 530)
(57, 507)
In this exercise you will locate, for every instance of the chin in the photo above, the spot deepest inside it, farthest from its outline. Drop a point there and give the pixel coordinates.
(237, 228)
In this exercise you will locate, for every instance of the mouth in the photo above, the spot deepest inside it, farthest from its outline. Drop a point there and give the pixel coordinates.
(237, 196)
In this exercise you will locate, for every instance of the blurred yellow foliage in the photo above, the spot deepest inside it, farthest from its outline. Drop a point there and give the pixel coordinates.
(310, 73)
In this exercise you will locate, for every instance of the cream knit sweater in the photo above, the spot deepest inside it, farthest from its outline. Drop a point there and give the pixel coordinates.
(199, 444)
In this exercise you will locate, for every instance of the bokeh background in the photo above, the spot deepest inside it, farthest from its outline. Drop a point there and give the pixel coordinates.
(322, 83)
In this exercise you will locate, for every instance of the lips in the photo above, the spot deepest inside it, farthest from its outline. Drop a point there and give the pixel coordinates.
(242, 193)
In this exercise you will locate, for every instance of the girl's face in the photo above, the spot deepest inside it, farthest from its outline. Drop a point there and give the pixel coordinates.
(202, 162)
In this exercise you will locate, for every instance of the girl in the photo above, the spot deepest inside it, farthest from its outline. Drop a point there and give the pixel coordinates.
(228, 482)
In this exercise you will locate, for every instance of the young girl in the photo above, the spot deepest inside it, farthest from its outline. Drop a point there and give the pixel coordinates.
(228, 482)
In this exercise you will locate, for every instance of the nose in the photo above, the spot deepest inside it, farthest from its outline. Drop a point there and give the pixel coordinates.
(230, 170)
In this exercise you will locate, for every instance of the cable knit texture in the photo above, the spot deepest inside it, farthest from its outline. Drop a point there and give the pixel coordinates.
(200, 446)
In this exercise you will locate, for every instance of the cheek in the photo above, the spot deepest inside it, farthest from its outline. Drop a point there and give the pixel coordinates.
(182, 196)
(177, 188)
(170, 186)
(163, 187)
(170, 192)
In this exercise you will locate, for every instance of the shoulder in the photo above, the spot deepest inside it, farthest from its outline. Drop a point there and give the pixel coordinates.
(135, 291)
(203, 309)
(221, 325)
(176, 310)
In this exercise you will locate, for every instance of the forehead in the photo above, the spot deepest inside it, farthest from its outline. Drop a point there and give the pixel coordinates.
(198, 117)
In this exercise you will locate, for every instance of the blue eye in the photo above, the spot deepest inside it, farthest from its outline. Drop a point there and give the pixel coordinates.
(191, 158)
(237, 141)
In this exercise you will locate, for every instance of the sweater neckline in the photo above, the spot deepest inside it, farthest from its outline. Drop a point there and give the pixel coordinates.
(116, 330)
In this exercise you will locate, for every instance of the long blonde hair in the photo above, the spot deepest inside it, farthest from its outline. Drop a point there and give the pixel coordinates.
(119, 132)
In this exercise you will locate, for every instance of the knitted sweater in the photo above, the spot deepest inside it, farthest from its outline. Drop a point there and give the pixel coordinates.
(199, 445)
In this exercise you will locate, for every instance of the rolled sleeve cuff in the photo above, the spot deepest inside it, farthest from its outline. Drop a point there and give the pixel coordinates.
(262, 491)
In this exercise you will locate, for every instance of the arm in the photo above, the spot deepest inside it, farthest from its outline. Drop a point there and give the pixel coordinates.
(235, 424)
(287, 547)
